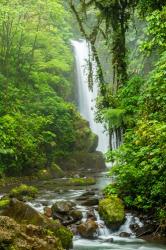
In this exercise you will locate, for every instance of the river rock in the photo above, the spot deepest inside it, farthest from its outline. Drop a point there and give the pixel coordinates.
(109, 240)
(66, 212)
(76, 215)
(112, 211)
(124, 234)
(16, 236)
(89, 198)
(62, 207)
(23, 192)
(88, 193)
(91, 201)
(69, 218)
(146, 229)
(22, 213)
(91, 214)
(48, 212)
(88, 229)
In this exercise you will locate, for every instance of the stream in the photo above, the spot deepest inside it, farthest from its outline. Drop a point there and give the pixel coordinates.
(105, 238)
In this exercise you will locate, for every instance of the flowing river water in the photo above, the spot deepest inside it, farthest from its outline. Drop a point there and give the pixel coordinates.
(105, 238)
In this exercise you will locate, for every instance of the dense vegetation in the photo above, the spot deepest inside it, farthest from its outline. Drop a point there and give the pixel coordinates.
(37, 124)
(135, 101)
(140, 162)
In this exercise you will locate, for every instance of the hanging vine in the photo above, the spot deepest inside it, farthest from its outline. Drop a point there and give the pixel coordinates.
(112, 18)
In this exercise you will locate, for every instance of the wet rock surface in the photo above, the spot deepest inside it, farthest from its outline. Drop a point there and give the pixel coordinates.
(66, 212)
(70, 215)
(89, 198)
(147, 228)
(62, 207)
(125, 234)
(88, 229)
(91, 214)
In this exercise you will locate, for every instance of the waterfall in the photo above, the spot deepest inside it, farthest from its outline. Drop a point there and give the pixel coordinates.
(87, 98)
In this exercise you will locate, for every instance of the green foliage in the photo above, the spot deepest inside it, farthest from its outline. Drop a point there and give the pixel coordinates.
(140, 170)
(4, 202)
(148, 6)
(154, 92)
(126, 100)
(140, 162)
(156, 31)
(114, 117)
(65, 236)
(37, 125)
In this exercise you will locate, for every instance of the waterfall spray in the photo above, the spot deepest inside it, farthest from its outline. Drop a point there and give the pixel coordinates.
(86, 97)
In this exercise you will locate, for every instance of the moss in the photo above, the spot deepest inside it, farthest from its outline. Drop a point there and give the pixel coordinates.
(23, 190)
(4, 202)
(82, 181)
(65, 236)
(53, 172)
(56, 171)
(112, 211)
(44, 174)
(14, 236)
(85, 140)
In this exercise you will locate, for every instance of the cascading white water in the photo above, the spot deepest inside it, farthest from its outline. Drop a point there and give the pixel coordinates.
(87, 98)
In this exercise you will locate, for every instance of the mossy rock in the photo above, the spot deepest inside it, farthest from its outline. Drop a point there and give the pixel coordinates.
(56, 171)
(81, 181)
(14, 236)
(65, 236)
(23, 191)
(44, 174)
(112, 211)
(4, 202)
(22, 213)
(53, 172)
(86, 140)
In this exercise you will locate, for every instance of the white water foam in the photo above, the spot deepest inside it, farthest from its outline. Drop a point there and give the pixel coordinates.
(87, 98)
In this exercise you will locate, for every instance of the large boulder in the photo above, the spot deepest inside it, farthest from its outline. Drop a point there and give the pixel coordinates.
(54, 171)
(85, 140)
(91, 214)
(15, 236)
(23, 192)
(86, 181)
(89, 198)
(66, 212)
(90, 201)
(112, 211)
(22, 213)
(88, 229)
(62, 206)
(83, 161)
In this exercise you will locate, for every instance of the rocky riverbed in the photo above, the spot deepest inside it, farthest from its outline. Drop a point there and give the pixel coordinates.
(76, 207)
